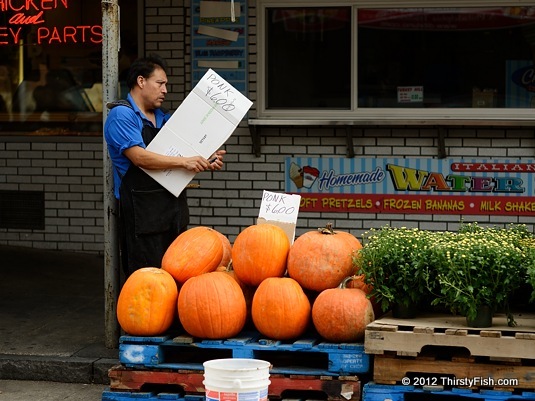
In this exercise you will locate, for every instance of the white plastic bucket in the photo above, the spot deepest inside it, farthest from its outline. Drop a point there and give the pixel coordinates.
(236, 379)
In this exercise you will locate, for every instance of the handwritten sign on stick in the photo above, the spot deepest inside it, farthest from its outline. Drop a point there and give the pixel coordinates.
(201, 125)
(281, 210)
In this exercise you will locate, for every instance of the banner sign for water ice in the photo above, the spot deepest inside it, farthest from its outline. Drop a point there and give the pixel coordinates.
(416, 185)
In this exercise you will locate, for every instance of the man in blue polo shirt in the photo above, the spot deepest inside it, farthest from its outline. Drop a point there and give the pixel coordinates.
(151, 217)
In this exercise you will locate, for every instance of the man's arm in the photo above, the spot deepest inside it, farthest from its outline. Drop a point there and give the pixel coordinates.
(148, 160)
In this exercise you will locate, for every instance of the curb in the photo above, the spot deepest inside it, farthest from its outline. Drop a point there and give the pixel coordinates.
(56, 369)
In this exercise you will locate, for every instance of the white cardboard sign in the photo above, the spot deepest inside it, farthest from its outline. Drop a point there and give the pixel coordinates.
(281, 210)
(199, 127)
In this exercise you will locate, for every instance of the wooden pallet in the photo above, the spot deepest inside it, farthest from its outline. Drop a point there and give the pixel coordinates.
(378, 392)
(455, 371)
(310, 356)
(342, 388)
(147, 396)
(409, 337)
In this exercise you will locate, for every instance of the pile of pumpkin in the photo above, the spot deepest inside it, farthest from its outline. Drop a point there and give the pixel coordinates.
(215, 288)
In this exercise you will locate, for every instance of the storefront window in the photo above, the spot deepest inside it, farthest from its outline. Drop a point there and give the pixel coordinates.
(309, 58)
(51, 63)
(446, 57)
(354, 59)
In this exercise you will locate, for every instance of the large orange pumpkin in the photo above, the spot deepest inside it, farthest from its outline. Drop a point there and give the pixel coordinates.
(227, 249)
(196, 251)
(342, 314)
(212, 305)
(359, 281)
(280, 310)
(322, 259)
(259, 252)
(230, 271)
(147, 302)
(248, 290)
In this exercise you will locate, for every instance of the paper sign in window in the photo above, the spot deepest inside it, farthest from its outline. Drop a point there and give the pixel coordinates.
(223, 64)
(219, 9)
(218, 33)
(410, 94)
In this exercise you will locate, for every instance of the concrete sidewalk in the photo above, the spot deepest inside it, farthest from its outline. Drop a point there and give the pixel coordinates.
(14, 390)
(52, 317)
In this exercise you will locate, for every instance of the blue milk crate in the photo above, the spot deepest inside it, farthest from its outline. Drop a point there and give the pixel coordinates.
(311, 356)
(385, 392)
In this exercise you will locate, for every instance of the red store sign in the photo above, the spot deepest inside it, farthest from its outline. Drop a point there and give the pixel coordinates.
(31, 15)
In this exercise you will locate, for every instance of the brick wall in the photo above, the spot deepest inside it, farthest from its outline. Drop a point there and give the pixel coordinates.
(69, 173)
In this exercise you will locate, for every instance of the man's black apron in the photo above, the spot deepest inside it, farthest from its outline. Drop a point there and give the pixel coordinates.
(151, 217)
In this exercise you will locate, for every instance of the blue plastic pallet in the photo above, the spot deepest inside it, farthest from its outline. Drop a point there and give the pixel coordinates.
(311, 356)
(384, 392)
(128, 396)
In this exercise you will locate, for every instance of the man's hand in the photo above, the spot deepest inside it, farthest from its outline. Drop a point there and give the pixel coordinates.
(153, 161)
(216, 160)
(196, 164)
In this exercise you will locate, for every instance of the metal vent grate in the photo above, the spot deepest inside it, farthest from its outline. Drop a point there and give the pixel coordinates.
(22, 210)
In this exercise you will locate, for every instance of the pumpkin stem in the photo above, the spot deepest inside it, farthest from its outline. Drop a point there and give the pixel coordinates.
(344, 282)
(328, 229)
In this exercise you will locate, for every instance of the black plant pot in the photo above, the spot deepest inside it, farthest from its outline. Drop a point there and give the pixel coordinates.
(400, 311)
(483, 317)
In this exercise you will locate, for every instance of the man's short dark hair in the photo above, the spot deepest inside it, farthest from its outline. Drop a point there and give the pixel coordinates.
(144, 67)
